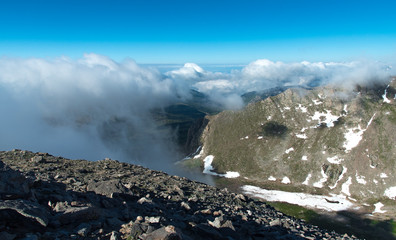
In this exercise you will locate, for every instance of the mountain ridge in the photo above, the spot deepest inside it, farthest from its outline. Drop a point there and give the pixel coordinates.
(327, 140)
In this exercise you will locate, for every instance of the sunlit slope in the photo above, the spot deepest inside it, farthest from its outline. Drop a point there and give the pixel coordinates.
(321, 140)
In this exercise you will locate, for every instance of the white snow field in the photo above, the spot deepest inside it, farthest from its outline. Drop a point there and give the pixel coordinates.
(327, 203)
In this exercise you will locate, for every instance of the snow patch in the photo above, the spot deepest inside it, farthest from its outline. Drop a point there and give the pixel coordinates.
(345, 109)
(208, 169)
(378, 207)
(317, 101)
(369, 122)
(390, 193)
(243, 138)
(383, 175)
(335, 160)
(306, 181)
(324, 178)
(302, 136)
(200, 149)
(304, 158)
(353, 137)
(360, 179)
(345, 187)
(353, 199)
(289, 150)
(285, 180)
(269, 118)
(208, 164)
(302, 108)
(327, 117)
(260, 137)
(327, 203)
(271, 178)
(386, 100)
(230, 174)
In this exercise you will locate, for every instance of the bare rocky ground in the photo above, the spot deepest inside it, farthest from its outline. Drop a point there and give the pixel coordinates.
(48, 197)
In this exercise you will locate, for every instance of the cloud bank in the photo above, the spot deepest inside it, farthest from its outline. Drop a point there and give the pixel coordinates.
(95, 107)
(226, 88)
(90, 108)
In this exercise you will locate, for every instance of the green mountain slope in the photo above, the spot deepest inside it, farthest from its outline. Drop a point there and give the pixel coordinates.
(325, 140)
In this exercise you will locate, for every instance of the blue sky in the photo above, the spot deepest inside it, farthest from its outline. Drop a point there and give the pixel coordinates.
(204, 32)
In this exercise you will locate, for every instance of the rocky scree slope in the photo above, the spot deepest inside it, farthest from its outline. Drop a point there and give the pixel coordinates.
(47, 197)
(324, 140)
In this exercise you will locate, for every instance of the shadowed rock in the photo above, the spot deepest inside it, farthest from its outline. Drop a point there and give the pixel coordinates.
(12, 183)
(164, 233)
(27, 209)
(79, 214)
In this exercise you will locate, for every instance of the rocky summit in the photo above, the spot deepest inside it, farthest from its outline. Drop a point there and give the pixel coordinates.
(48, 197)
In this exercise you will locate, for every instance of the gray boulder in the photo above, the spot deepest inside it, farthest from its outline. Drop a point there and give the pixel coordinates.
(79, 214)
(27, 209)
(13, 184)
(164, 233)
(108, 188)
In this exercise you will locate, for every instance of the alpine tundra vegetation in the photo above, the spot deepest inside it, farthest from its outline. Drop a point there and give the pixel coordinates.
(334, 142)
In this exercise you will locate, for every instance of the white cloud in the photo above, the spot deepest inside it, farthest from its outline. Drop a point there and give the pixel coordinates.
(95, 107)
(226, 88)
(89, 108)
(188, 71)
(221, 85)
(264, 74)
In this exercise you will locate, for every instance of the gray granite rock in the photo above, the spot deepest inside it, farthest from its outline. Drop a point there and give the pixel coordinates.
(27, 209)
(164, 233)
(107, 188)
(79, 214)
(12, 183)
